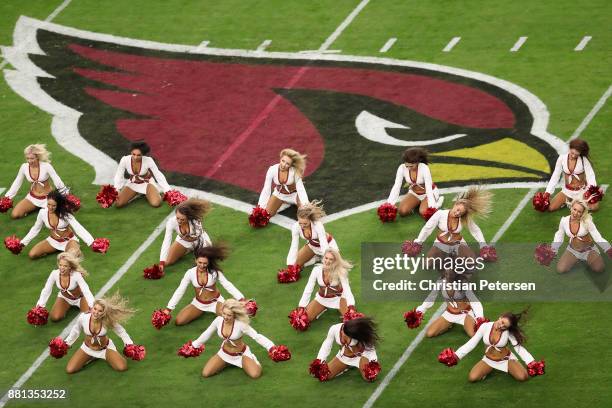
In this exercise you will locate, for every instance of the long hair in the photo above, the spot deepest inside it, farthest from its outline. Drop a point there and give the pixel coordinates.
(312, 210)
(581, 145)
(514, 328)
(237, 309)
(215, 254)
(40, 151)
(416, 155)
(298, 160)
(477, 202)
(74, 261)
(363, 330)
(141, 145)
(586, 216)
(194, 208)
(116, 310)
(62, 208)
(339, 268)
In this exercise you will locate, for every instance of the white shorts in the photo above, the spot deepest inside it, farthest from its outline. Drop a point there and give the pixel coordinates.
(317, 250)
(286, 198)
(421, 197)
(209, 307)
(98, 353)
(203, 240)
(457, 318)
(39, 202)
(499, 365)
(349, 361)
(71, 302)
(574, 194)
(330, 303)
(61, 246)
(583, 256)
(142, 187)
(237, 360)
(449, 249)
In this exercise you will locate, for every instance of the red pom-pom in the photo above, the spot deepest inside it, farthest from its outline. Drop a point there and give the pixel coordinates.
(429, 212)
(298, 318)
(73, 202)
(279, 353)
(479, 323)
(187, 350)
(100, 245)
(174, 197)
(153, 272)
(609, 252)
(488, 253)
(351, 314)
(6, 203)
(134, 351)
(159, 319)
(290, 274)
(387, 212)
(58, 348)
(544, 254)
(536, 368)
(107, 196)
(593, 194)
(319, 369)
(413, 318)
(38, 316)
(448, 357)
(371, 370)
(259, 217)
(411, 248)
(13, 244)
(541, 201)
(251, 307)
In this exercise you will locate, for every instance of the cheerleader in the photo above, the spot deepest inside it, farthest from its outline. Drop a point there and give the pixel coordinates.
(107, 313)
(231, 326)
(310, 228)
(334, 289)
(578, 175)
(284, 182)
(357, 339)
(37, 171)
(583, 238)
(73, 289)
(190, 234)
(144, 177)
(422, 192)
(203, 277)
(62, 225)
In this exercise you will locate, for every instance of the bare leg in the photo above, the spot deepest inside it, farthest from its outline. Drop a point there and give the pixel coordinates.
(469, 325)
(250, 367)
(153, 196)
(73, 246)
(304, 255)
(84, 306)
(41, 249)
(343, 306)
(23, 208)
(407, 205)
(595, 262)
(188, 314)
(593, 207)
(516, 370)
(176, 252)
(125, 196)
(423, 206)
(218, 308)
(213, 366)
(116, 360)
(566, 262)
(314, 309)
(466, 252)
(438, 327)
(336, 367)
(557, 202)
(274, 203)
(479, 371)
(59, 309)
(77, 361)
(435, 257)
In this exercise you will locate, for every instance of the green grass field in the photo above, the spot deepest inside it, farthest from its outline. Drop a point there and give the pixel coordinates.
(571, 337)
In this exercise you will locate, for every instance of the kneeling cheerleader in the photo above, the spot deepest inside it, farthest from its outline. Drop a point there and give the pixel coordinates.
(231, 326)
(496, 336)
(106, 314)
(357, 339)
(69, 277)
(334, 292)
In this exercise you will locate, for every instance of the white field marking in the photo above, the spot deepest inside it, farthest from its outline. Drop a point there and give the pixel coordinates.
(2, 190)
(600, 103)
(318, 52)
(514, 215)
(107, 286)
(451, 44)
(518, 44)
(265, 44)
(201, 47)
(388, 44)
(583, 43)
(348, 20)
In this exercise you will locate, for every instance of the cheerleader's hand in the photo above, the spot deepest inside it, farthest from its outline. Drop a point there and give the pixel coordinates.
(609, 252)
(161, 265)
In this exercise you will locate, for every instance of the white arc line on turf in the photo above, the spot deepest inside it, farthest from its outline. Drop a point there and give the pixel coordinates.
(451, 44)
(264, 45)
(600, 103)
(388, 44)
(108, 285)
(583, 43)
(518, 44)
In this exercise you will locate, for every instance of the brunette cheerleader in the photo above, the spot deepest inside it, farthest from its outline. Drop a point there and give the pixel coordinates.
(357, 339)
(284, 183)
(144, 177)
(231, 326)
(496, 336)
(69, 278)
(106, 314)
(38, 170)
(422, 192)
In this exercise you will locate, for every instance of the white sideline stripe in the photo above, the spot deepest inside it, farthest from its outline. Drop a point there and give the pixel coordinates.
(264, 45)
(108, 285)
(51, 16)
(600, 103)
(319, 52)
(451, 44)
(348, 20)
(388, 44)
(201, 46)
(583, 43)
(518, 44)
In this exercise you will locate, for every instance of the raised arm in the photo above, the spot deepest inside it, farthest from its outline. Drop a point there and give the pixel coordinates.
(559, 236)
(12, 192)
(262, 340)
(208, 332)
(520, 350)
(588, 172)
(312, 280)
(76, 330)
(125, 337)
(318, 226)
(554, 179)
(171, 225)
(38, 224)
(57, 181)
(266, 191)
(429, 226)
(328, 342)
(477, 233)
(180, 291)
(46, 291)
(601, 241)
(473, 342)
(397, 185)
(89, 297)
(295, 241)
(80, 230)
(301, 190)
(229, 286)
(159, 176)
(347, 293)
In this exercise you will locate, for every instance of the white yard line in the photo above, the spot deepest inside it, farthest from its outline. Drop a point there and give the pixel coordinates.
(388, 44)
(600, 103)
(348, 20)
(518, 44)
(451, 44)
(583, 43)
(264, 45)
